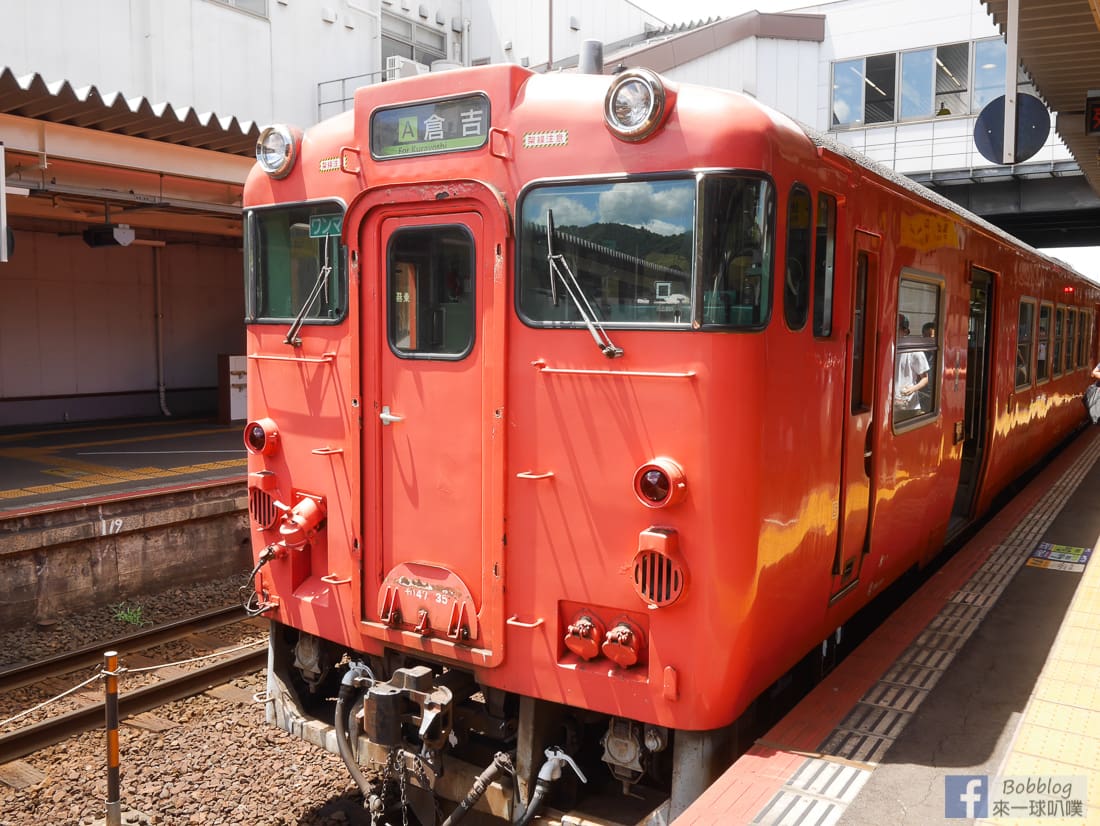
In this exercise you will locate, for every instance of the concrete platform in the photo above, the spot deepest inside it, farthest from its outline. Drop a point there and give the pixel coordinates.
(93, 514)
(990, 671)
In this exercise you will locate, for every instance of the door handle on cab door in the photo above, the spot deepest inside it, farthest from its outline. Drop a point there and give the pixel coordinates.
(389, 418)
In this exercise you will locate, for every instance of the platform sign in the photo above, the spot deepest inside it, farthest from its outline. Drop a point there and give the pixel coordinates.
(1059, 557)
(449, 125)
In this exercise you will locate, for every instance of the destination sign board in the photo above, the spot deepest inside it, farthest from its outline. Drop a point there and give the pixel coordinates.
(451, 125)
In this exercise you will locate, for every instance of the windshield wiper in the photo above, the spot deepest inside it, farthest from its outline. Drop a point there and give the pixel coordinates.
(560, 269)
(322, 280)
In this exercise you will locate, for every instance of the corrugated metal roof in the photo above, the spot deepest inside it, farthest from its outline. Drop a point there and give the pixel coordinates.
(31, 96)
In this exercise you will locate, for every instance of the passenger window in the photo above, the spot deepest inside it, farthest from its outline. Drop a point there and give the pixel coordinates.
(1085, 338)
(1059, 331)
(824, 256)
(796, 280)
(1071, 319)
(916, 369)
(430, 274)
(1042, 343)
(1025, 333)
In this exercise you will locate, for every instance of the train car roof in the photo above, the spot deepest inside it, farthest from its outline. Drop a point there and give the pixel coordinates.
(824, 141)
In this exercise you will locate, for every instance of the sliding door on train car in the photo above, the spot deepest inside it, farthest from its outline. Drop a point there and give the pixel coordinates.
(433, 448)
(975, 416)
(857, 440)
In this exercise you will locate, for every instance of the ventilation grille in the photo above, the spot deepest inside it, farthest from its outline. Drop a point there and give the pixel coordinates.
(262, 508)
(658, 579)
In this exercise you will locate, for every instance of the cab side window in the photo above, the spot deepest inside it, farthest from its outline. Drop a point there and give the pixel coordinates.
(796, 280)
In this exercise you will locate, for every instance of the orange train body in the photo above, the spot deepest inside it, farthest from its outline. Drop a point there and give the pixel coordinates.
(615, 421)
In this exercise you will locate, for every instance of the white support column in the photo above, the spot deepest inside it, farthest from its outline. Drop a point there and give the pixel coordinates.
(1012, 62)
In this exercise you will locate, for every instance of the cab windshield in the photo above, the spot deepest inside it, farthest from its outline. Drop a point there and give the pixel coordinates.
(634, 252)
(295, 270)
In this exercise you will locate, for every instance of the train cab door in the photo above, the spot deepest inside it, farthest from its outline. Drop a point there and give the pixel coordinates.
(857, 442)
(433, 445)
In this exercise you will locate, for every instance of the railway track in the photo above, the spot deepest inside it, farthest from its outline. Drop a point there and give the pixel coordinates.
(31, 738)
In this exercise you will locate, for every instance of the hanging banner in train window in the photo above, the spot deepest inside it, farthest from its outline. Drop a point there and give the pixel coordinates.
(324, 226)
(451, 125)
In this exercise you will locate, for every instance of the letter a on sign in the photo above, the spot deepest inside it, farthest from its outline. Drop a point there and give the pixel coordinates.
(406, 130)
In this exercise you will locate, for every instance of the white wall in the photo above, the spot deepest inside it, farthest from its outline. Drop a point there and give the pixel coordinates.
(857, 28)
(525, 23)
(779, 73)
(78, 321)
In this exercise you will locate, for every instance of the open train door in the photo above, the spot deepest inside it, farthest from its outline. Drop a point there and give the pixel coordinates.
(433, 301)
(857, 440)
(978, 350)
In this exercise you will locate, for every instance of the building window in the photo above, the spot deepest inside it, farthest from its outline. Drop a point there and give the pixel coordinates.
(257, 7)
(863, 90)
(934, 82)
(404, 38)
(989, 72)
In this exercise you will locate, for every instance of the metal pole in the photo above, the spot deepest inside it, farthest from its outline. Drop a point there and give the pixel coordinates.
(1012, 62)
(114, 805)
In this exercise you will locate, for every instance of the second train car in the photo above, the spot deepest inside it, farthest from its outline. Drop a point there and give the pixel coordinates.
(582, 408)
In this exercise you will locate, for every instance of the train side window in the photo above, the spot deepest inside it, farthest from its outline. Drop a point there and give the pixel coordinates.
(430, 292)
(824, 258)
(1085, 326)
(1042, 344)
(1071, 329)
(796, 281)
(1025, 336)
(1082, 338)
(1059, 332)
(917, 365)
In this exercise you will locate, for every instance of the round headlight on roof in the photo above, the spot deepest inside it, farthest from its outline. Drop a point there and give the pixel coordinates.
(277, 149)
(635, 104)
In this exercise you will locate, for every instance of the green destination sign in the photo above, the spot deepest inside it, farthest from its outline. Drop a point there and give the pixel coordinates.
(323, 226)
(450, 125)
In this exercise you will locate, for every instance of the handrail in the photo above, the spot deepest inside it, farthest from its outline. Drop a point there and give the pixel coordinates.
(542, 367)
(324, 358)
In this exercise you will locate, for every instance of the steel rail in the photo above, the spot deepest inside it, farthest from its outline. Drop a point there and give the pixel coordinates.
(30, 739)
(92, 655)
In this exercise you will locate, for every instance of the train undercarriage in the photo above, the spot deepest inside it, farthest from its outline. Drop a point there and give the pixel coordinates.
(425, 743)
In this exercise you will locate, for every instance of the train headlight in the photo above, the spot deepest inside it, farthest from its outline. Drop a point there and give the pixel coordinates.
(660, 483)
(277, 150)
(636, 104)
(261, 436)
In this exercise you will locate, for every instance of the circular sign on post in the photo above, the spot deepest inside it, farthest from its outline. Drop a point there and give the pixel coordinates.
(1032, 128)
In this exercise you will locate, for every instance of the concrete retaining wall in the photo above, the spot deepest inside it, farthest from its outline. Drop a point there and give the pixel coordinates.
(58, 561)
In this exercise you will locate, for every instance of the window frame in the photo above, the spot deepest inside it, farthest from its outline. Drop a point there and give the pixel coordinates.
(912, 342)
(1042, 342)
(253, 261)
(391, 305)
(794, 315)
(824, 276)
(1025, 344)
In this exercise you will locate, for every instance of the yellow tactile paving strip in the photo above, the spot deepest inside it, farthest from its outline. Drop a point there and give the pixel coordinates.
(1060, 730)
(75, 474)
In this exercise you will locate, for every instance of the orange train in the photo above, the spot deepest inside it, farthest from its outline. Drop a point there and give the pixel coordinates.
(583, 408)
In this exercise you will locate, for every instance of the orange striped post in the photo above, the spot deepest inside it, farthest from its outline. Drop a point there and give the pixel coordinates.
(114, 804)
